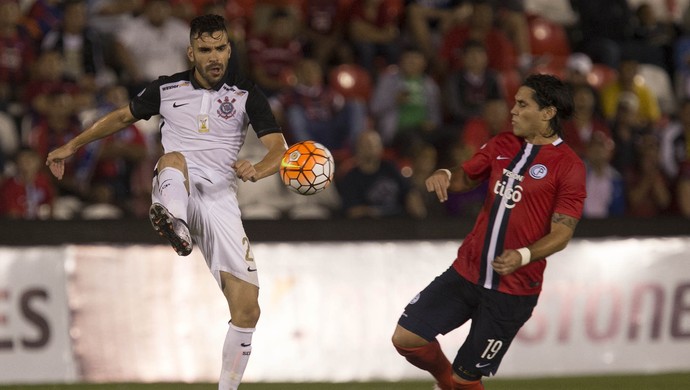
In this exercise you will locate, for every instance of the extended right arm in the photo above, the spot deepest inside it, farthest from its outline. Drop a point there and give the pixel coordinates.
(444, 180)
(107, 125)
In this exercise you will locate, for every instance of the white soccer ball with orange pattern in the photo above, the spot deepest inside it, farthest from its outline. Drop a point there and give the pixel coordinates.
(307, 167)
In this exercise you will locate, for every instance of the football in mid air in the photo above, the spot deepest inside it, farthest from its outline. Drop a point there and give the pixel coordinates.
(307, 167)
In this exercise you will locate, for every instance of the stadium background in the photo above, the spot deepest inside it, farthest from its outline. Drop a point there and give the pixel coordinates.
(33, 253)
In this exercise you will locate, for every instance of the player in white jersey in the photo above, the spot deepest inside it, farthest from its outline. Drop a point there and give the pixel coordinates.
(205, 114)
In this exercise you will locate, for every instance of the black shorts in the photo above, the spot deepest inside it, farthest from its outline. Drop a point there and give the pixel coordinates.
(449, 301)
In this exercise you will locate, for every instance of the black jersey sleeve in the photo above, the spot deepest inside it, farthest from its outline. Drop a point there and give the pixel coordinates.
(259, 112)
(147, 103)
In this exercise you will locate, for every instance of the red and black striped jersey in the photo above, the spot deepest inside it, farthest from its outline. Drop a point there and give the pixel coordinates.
(527, 185)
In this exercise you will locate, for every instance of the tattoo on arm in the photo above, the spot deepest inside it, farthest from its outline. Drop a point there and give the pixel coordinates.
(565, 220)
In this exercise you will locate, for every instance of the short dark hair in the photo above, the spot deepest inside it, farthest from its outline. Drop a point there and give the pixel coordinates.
(67, 3)
(550, 91)
(206, 24)
(473, 44)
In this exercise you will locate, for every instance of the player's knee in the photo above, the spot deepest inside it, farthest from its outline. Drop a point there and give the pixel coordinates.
(398, 339)
(246, 317)
(172, 159)
(403, 338)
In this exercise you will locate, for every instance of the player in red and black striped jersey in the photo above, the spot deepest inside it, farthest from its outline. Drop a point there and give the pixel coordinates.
(535, 199)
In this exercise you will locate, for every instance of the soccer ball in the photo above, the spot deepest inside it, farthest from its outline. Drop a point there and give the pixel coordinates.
(307, 167)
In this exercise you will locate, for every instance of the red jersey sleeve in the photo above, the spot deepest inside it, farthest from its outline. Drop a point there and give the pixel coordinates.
(478, 167)
(571, 187)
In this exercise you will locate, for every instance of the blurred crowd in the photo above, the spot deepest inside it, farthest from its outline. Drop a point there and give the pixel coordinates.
(394, 88)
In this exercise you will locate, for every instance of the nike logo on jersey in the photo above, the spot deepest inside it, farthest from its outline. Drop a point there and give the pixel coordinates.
(482, 365)
(175, 105)
(250, 269)
(502, 158)
(245, 345)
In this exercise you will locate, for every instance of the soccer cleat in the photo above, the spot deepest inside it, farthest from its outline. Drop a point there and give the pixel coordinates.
(173, 229)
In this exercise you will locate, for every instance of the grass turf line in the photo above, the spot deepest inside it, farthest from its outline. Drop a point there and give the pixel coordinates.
(679, 381)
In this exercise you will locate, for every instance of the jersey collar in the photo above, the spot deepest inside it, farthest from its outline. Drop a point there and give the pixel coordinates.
(556, 142)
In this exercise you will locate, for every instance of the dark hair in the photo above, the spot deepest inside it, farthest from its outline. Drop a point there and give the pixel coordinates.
(549, 91)
(23, 149)
(67, 3)
(473, 44)
(206, 24)
(279, 13)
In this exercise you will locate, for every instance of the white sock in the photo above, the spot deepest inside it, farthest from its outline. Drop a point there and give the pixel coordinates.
(173, 193)
(236, 351)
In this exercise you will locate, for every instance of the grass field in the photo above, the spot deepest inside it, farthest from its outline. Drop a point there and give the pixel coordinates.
(644, 382)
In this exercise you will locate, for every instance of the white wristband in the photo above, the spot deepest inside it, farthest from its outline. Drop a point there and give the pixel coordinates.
(447, 173)
(525, 254)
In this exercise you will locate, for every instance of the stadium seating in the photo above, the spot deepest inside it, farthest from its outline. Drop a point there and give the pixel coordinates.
(510, 81)
(351, 80)
(659, 81)
(601, 75)
(547, 37)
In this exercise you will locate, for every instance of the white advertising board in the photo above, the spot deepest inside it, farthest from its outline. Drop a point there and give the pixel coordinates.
(35, 344)
(329, 309)
(610, 306)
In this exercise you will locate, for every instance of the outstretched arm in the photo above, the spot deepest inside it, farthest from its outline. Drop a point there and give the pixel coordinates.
(107, 125)
(442, 181)
(276, 145)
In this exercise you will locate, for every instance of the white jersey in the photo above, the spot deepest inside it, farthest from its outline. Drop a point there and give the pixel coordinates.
(211, 121)
(208, 126)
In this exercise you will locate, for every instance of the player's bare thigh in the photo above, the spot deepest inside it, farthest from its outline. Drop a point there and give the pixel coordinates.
(243, 300)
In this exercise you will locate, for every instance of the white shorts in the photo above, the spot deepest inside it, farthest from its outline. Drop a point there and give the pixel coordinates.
(215, 223)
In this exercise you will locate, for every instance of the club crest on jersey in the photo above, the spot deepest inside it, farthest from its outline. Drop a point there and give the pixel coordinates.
(226, 109)
(538, 171)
